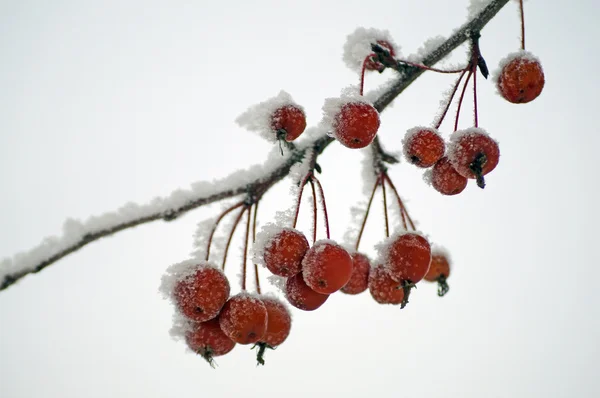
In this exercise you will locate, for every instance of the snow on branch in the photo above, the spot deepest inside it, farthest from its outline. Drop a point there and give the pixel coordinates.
(253, 183)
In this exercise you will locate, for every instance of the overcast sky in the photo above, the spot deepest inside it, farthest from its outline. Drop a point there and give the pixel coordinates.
(107, 102)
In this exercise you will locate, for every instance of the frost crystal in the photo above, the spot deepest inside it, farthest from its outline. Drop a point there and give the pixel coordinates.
(358, 46)
(258, 117)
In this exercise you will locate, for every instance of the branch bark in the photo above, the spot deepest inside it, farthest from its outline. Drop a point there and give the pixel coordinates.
(257, 188)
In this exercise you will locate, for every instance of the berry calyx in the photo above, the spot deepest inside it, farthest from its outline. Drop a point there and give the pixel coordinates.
(201, 295)
(439, 270)
(208, 340)
(301, 296)
(326, 267)
(474, 154)
(284, 251)
(359, 279)
(407, 257)
(290, 121)
(356, 124)
(244, 318)
(383, 288)
(423, 147)
(372, 63)
(521, 79)
(445, 179)
(279, 322)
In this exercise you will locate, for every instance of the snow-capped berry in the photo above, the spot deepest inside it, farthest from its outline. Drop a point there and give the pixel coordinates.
(372, 63)
(359, 279)
(284, 251)
(244, 318)
(383, 288)
(423, 146)
(473, 154)
(291, 119)
(279, 321)
(445, 179)
(407, 257)
(356, 124)
(326, 267)
(201, 295)
(301, 296)
(208, 340)
(439, 271)
(521, 79)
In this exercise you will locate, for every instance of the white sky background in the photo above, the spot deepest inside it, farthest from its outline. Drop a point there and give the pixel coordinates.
(105, 103)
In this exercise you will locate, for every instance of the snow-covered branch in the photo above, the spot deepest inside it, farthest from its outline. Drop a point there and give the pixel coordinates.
(254, 182)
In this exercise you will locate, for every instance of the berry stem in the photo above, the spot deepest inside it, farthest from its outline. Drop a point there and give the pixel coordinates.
(362, 73)
(299, 201)
(476, 118)
(245, 259)
(403, 210)
(522, 25)
(460, 100)
(362, 227)
(314, 197)
(449, 101)
(322, 193)
(385, 211)
(212, 232)
(256, 278)
(235, 224)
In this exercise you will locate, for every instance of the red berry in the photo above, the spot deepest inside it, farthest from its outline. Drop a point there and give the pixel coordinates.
(474, 154)
(326, 267)
(301, 296)
(244, 318)
(407, 257)
(356, 124)
(208, 340)
(423, 147)
(521, 80)
(284, 251)
(359, 279)
(439, 270)
(372, 63)
(291, 119)
(279, 322)
(201, 296)
(445, 179)
(383, 288)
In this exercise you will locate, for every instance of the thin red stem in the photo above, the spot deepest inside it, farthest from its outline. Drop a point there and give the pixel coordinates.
(400, 204)
(314, 196)
(302, 184)
(245, 260)
(362, 227)
(443, 115)
(322, 193)
(235, 224)
(462, 94)
(256, 278)
(362, 73)
(425, 67)
(476, 121)
(385, 211)
(212, 233)
(522, 25)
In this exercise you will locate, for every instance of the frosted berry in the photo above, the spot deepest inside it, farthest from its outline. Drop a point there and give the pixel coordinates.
(244, 318)
(424, 147)
(356, 124)
(284, 251)
(445, 179)
(474, 154)
(279, 322)
(359, 279)
(383, 288)
(521, 80)
(372, 63)
(407, 257)
(439, 270)
(301, 296)
(326, 267)
(201, 295)
(208, 340)
(289, 120)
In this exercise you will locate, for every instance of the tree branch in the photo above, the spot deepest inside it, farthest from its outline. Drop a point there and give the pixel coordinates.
(47, 253)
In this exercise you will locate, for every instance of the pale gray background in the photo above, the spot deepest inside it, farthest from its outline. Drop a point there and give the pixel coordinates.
(106, 102)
